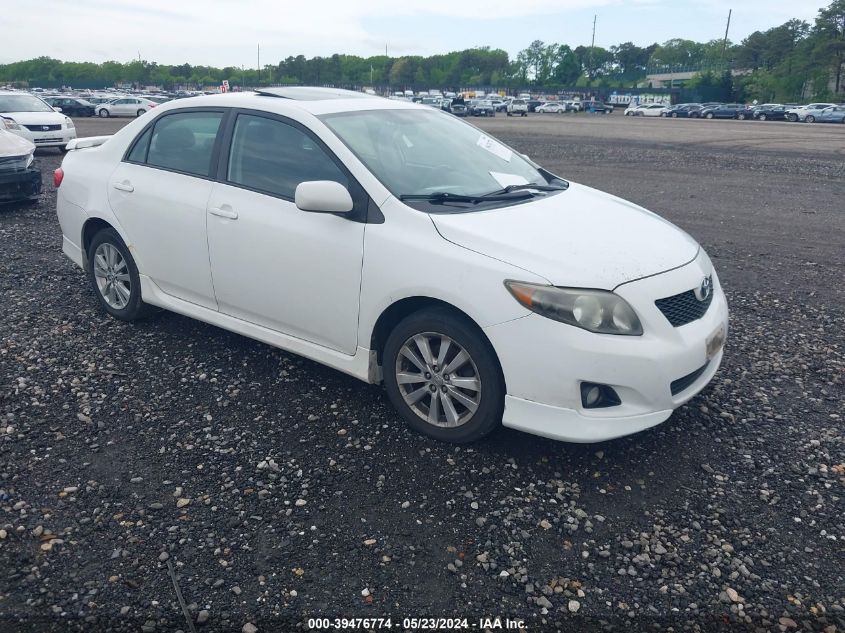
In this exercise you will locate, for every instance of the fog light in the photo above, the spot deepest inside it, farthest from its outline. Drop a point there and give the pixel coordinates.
(594, 396)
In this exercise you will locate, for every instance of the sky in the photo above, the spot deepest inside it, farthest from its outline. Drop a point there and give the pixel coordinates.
(227, 32)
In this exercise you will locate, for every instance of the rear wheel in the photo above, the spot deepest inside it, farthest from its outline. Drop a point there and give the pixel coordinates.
(741, 117)
(762, 117)
(114, 277)
(443, 377)
(140, 112)
(792, 117)
(810, 119)
(709, 115)
(674, 115)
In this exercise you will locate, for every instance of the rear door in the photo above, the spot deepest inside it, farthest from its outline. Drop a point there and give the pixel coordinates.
(273, 265)
(159, 193)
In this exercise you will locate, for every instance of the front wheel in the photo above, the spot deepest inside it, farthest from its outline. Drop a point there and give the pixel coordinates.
(741, 117)
(709, 115)
(762, 117)
(140, 112)
(104, 114)
(792, 118)
(674, 115)
(443, 377)
(810, 119)
(114, 277)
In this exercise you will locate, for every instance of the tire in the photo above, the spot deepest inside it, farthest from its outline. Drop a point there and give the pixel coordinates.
(509, 114)
(674, 115)
(121, 302)
(762, 117)
(463, 424)
(709, 115)
(104, 114)
(792, 118)
(524, 114)
(810, 119)
(140, 112)
(741, 117)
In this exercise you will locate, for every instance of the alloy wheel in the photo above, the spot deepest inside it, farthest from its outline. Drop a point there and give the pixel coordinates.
(438, 380)
(112, 276)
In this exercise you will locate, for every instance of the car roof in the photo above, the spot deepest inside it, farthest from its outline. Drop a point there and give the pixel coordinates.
(315, 101)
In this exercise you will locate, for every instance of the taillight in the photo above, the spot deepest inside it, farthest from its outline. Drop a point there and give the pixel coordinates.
(58, 176)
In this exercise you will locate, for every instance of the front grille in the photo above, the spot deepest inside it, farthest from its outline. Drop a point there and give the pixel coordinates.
(683, 308)
(43, 128)
(685, 382)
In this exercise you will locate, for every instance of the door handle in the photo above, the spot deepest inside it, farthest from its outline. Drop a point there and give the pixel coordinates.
(124, 186)
(224, 212)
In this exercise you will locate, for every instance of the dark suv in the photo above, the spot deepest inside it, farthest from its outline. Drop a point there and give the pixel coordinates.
(721, 111)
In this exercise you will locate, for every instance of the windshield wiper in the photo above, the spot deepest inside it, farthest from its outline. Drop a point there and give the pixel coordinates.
(445, 196)
(528, 186)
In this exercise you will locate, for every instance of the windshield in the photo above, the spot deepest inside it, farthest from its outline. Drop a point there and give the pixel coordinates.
(22, 103)
(419, 152)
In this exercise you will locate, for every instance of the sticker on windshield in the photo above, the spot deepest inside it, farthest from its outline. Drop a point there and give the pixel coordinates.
(494, 147)
(505, 180)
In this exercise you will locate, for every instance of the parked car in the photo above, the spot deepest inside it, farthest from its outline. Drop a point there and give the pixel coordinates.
(482, 107)
(565, 320)
(574, 106)
(533, 104)
(458, 107)
(501, 105)
(807, 113)
(35, 120)
(833, 114)
(126, 106)
(769, 112)
(20, 174)
(721, 111)
(551, 107)
(684, 110)
(517, 107)
(650, 110)
(71, 106)
(632, 108)
(598, 106)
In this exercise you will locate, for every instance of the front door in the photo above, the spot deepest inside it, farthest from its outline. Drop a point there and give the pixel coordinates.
(273, 265)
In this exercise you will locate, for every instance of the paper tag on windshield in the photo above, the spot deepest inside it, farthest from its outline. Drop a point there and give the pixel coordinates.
(505, 180)
(494, 147)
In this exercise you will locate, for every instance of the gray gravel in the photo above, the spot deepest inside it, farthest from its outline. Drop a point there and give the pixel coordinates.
(278, 490)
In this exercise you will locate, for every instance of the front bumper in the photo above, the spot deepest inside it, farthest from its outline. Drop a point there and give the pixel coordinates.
(544, 363)
(51, 138)
(20, 185)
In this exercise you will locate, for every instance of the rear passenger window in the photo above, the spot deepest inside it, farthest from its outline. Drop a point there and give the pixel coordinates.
(184, 142)
(274, 157)
(139, 150)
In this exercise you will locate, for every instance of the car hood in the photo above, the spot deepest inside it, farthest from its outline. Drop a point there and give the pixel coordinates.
(35, 118)
(580, 237)
(13, 146)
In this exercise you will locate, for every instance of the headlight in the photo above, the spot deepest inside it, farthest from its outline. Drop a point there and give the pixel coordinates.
(597, 311)
(69, 122)
(9, 124)
(29, 160)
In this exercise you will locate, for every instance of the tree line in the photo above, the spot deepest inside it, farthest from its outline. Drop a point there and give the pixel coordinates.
(796, 60)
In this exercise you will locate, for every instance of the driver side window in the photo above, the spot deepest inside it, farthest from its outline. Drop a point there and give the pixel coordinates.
(273, 157)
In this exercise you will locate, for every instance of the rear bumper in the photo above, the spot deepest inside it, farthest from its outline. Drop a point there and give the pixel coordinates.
(20, 185)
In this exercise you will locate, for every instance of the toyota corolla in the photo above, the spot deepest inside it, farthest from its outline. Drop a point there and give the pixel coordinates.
(403, 246)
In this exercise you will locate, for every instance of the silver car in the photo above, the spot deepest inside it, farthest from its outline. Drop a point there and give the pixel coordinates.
(808, 113)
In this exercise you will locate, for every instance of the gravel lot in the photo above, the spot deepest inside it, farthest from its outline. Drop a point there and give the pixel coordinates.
(277, 490)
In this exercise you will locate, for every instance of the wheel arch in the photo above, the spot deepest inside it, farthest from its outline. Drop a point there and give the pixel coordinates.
(90, 228)
(398, 310)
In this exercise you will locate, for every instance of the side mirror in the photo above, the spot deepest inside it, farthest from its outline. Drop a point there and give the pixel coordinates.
(322, 196)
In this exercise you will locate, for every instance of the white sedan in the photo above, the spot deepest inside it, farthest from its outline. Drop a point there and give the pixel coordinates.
(399, 244)
(125, 106)
(651, 109)
(35, 120)
(551, 107)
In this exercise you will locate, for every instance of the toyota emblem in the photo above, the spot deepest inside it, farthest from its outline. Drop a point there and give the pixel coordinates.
(702, 293)
(46, 128)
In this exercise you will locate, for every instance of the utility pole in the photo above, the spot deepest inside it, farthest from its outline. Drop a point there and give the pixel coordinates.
(725, 41)
(259, 65)
(592, 45)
